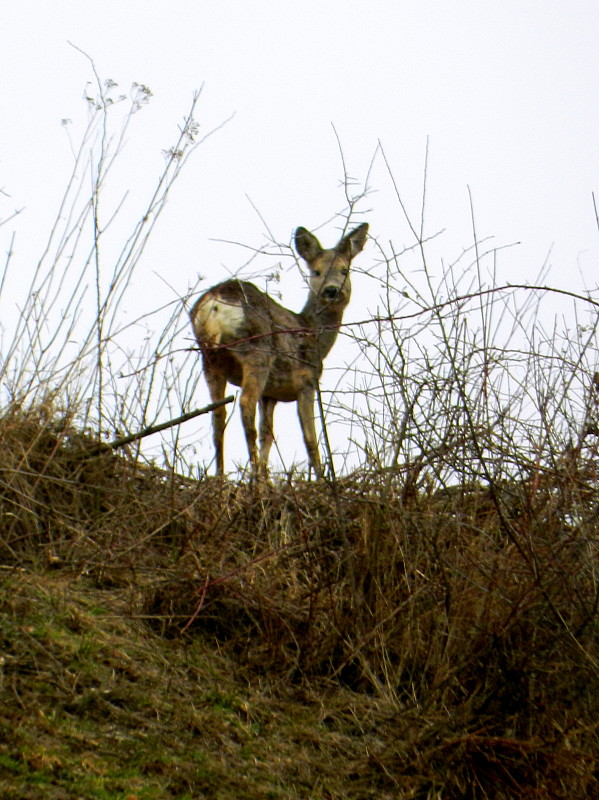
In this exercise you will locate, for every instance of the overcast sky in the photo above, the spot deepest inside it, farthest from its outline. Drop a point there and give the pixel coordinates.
(506, 94)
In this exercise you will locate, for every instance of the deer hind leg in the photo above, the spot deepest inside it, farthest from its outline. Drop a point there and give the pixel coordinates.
(253, 383)
(217, 384)
(305, 409)
(267, 410)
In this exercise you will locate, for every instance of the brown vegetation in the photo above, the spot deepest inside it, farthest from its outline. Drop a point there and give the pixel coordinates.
(163, 637)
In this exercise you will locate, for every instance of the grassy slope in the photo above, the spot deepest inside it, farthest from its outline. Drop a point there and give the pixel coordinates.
(98, 706)
(168, 639)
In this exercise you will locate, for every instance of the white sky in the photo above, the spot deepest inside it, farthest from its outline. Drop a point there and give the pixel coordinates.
(506, 93)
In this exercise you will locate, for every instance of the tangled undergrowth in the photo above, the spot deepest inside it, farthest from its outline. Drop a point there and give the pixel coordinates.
(169, 638)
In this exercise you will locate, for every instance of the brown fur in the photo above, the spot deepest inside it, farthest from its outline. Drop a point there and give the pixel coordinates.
(272, 353)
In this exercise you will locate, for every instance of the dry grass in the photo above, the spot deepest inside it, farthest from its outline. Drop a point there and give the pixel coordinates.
(170, 638)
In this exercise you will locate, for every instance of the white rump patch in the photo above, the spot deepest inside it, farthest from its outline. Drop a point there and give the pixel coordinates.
(216, 321)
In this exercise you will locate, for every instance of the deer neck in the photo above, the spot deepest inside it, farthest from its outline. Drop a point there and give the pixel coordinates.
(324, 320)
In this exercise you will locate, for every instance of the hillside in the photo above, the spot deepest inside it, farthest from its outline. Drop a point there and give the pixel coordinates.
(371, 637)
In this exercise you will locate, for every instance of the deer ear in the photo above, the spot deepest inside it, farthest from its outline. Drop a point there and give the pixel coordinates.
(307, 245)
(353, 243)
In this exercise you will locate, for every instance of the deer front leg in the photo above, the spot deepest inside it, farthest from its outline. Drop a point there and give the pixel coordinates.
(305, 409)
(253, 382)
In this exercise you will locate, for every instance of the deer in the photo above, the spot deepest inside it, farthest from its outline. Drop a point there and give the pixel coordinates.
(272, 353)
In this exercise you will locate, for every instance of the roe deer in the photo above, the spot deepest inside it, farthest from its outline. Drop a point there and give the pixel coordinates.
(274, 354)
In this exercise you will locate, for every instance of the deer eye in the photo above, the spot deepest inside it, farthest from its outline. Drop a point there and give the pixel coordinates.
(316, 273)
(345, 271)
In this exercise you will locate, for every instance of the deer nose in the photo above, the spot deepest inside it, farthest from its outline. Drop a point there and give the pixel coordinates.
(330, 293)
